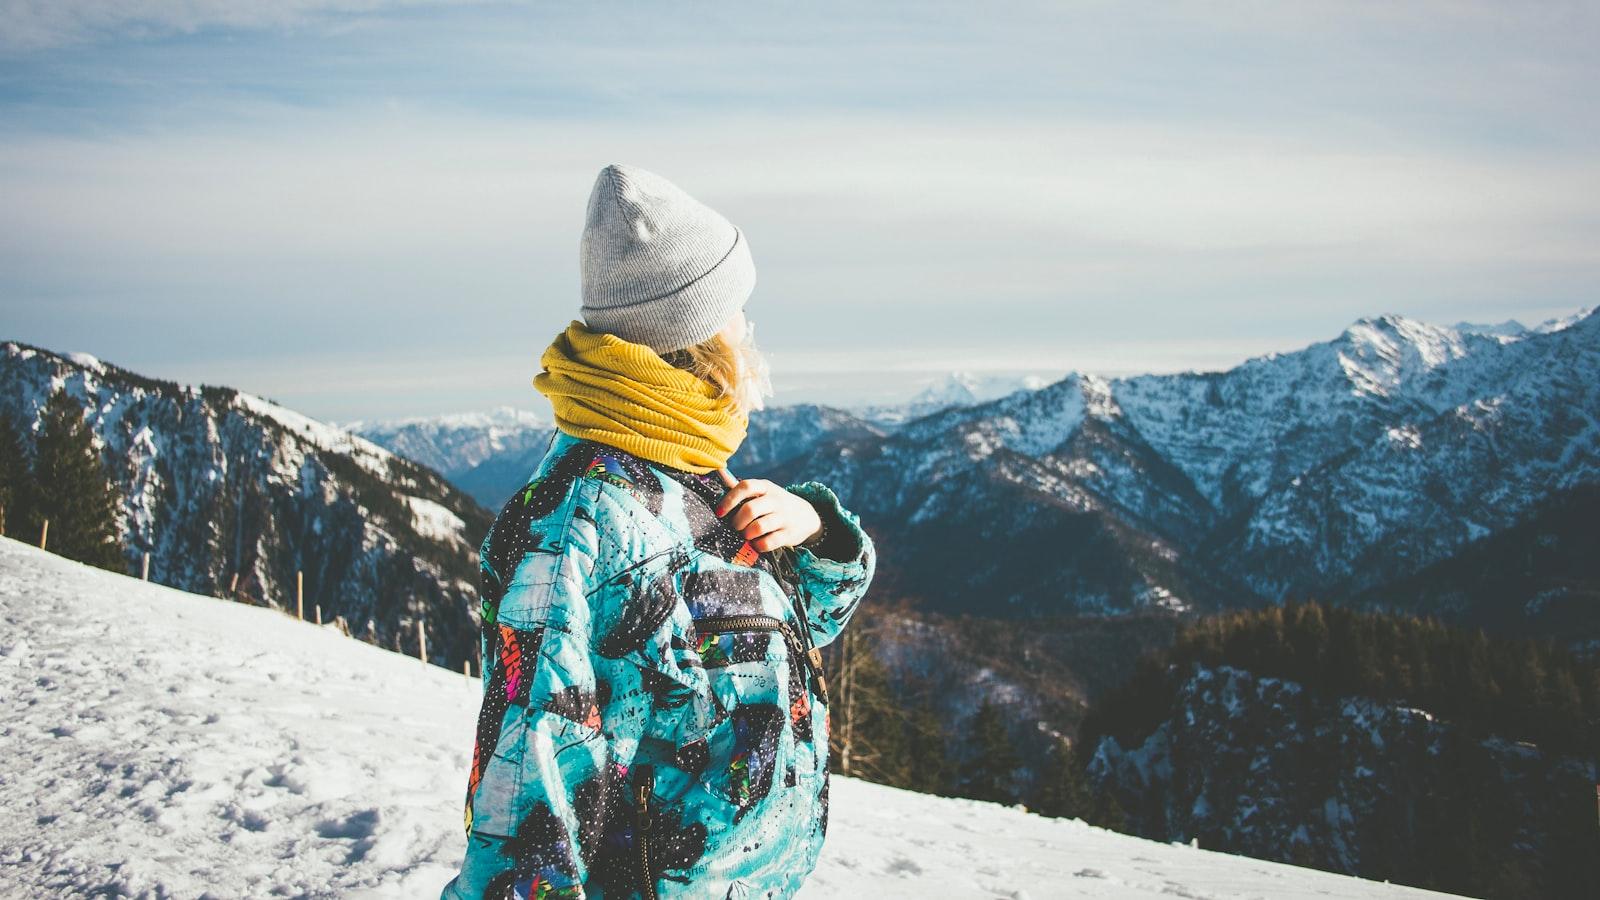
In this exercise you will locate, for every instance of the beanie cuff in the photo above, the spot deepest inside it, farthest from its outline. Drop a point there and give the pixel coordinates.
(688, 315)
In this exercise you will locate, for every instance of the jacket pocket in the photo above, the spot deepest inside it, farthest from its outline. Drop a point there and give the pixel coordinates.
(755, 673)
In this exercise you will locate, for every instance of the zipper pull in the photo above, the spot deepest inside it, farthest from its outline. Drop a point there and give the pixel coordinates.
(641, 794)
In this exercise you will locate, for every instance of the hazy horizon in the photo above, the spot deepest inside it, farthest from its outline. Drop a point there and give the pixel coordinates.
(827, 386)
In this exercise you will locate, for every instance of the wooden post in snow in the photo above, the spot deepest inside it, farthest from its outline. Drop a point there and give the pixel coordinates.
(233, 586)
(466, 667)
(299, 595)
(319, 613)
(422, 642)
(144, 568)
(44, 534)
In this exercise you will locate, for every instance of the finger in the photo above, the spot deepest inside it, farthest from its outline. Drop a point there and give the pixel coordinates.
(727, 477)
(763, 535)
(750, 510)
(781, 537)
(731, 498)
(741, 491)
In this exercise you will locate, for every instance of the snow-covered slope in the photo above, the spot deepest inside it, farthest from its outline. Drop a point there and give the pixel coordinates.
(163, 744)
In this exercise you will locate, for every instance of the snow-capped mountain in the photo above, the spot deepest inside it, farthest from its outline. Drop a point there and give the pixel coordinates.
(231, 494)
(958, 388)
(455, 443)
(1512, 329)
(163, 744)
(487, 454)
(782, 433)
(1330, 469)
(1327, 469)
(1493, 433)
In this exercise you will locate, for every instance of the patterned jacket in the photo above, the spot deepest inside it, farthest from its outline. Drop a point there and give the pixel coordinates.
(654, 721)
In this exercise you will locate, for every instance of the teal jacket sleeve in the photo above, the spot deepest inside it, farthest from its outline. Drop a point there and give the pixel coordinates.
(547, 810)
(833, 585)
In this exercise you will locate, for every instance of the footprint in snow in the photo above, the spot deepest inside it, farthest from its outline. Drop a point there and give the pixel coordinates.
(903, 866)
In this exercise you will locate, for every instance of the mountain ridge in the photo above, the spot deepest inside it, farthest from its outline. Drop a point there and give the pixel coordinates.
(232, 494)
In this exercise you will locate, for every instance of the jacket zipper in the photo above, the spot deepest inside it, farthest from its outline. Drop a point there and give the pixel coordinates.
(642, 790)
(809, 657)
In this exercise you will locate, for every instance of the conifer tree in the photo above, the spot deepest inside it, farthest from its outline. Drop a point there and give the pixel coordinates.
(1106, 811)
(929, 768)
(70, 488)
(1062, 790)
(992, 762)
(13, 479)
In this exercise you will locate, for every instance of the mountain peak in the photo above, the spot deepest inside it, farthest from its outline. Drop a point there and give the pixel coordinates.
(1584, 316)
(1379, 353)
(1510, 328)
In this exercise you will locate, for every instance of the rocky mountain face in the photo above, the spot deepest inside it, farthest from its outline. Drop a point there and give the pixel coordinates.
(1320, 472)
(1261, 767)
(1478, 432)
(232, 495)
(1538, 578)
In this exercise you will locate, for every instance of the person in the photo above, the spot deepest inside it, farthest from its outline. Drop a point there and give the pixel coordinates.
(654, 721)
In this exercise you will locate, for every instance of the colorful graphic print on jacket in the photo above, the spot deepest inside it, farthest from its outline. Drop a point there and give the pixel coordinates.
(638, 648)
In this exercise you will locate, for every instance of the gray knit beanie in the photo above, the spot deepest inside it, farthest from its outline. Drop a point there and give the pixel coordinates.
(660, 268)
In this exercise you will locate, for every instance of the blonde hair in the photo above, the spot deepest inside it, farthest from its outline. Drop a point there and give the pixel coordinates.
(715, 360)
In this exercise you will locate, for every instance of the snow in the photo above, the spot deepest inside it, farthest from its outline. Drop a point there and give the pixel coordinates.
(508, 418)
(370, 456)
(159, 743)
(1562, 323)
(88, 361)
(432, 520)
(457, 443)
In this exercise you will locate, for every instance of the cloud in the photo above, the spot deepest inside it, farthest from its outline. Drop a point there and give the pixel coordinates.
(1061, 196)
(32, 25)
(1087, 185)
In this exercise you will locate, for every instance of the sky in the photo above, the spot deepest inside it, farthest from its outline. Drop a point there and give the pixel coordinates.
(368, 209)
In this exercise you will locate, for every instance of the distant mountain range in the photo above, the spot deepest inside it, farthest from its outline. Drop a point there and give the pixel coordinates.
(1330, 471)
(1341, 470)
(489, 454)
(1323, 472)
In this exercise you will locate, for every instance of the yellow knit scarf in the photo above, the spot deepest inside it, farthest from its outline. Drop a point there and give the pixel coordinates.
(624, 394)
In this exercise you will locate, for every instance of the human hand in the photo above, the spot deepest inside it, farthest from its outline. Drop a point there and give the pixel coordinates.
(767, 515)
